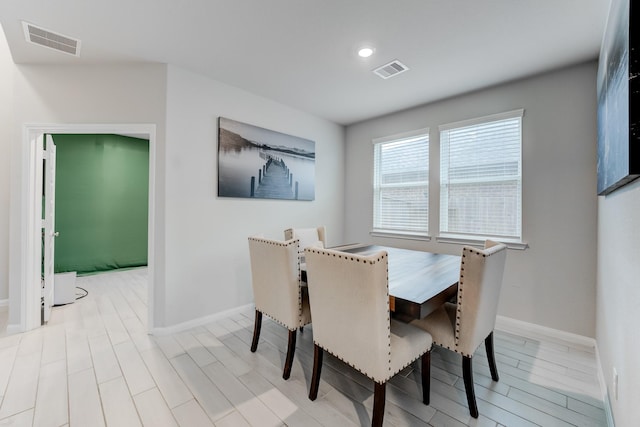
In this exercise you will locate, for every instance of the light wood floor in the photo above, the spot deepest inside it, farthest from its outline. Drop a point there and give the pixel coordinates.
(94, 365)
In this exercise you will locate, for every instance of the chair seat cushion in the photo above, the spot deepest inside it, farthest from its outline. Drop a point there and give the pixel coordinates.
(408, 343)
(441, 325)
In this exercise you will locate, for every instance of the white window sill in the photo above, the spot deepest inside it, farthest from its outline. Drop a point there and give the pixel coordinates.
(479, 241)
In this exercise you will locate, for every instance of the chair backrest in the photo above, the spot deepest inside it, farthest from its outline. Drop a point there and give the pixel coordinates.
(349, 298)
(481, 272)
(275, 273)
(309, 237)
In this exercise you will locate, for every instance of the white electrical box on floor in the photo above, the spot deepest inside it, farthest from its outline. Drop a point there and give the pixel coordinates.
(64, 288)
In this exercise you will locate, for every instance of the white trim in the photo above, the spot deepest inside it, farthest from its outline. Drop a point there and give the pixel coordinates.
(606, 402)
(480, 241)
(413, 136)
(608, 412)
(14, 328)
(402, 135)
(30, 299)
(200, 321)
(478, 120)
(29, 224)
(4, 302)
(531, 330)
(503, 323)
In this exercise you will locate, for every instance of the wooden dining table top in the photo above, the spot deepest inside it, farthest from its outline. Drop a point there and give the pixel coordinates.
(419, 282)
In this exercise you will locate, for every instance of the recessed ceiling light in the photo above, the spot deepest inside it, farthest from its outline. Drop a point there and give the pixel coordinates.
(365, 52)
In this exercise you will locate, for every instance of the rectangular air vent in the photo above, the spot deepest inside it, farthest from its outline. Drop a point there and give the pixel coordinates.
(391, 69)
(46, 38)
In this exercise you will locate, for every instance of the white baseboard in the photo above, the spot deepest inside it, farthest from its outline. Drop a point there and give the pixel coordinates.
(608, 411)
(534, 331)
(14, 328)
(199, 321)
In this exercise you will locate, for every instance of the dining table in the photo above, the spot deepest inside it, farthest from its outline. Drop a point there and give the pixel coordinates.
(419, 281)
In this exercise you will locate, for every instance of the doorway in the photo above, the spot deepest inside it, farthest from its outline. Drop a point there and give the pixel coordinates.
(31, 222)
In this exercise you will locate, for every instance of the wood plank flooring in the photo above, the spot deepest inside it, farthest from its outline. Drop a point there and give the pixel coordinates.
(95, 365)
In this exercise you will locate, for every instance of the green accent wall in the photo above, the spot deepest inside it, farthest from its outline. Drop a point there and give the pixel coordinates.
(102, 193)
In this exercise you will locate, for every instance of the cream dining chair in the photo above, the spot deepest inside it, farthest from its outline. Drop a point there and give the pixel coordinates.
(275, 274)
(461, 327)
(313, 236)
(349, 297)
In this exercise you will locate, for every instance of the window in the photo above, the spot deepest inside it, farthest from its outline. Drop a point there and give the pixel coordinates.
(481, 178)
(401, 184)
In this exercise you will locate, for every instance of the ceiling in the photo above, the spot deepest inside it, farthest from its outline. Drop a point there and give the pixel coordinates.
(302, 53)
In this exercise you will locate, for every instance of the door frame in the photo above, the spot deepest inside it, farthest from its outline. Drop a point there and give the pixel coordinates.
(31, 204)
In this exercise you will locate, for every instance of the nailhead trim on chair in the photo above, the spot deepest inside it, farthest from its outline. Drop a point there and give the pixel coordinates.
(389, 321)
(271, 242)
(286, 243)
(347, 257)
(391, 375)
(459, 302)
(460, 296)
(380, 258)
(277, 321)
(297, 242)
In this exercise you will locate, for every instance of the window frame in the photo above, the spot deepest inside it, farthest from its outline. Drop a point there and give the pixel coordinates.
(515, 242)
(376, 230)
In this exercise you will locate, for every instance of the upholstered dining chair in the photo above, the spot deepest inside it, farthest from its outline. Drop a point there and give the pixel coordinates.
(349, 297)
(307, 236)
(275, 274)
(461, 327)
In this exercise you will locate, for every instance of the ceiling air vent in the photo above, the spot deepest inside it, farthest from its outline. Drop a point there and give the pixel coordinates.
(46, 38)
(391, 69)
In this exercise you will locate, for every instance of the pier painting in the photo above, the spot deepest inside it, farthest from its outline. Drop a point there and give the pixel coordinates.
(254, 162)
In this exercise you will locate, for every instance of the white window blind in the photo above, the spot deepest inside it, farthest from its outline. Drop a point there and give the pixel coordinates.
(401, 184)
(481, 177)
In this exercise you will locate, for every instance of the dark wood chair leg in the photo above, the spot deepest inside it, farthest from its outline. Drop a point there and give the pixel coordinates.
(379, 399)
(291, 349)
(488, 345)
(256, 331)
(426, 377)
(467, 375)
(317, 369)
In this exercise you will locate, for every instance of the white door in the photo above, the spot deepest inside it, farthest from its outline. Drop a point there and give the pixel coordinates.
(49, 234)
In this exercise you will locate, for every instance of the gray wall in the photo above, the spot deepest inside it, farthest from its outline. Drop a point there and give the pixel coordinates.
(553, 283)
(207, 255)
(618, 304)
(82, 95)
(200, 250)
